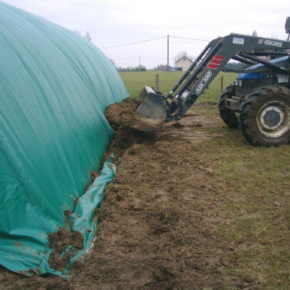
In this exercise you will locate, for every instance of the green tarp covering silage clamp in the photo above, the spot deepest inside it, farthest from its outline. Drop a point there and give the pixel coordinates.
(54, 89)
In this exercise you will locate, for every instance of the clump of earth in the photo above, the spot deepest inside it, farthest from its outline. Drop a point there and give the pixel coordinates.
(59, 242)
(121, 115)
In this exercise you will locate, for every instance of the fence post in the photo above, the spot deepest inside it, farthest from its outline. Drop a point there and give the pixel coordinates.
(157, 82)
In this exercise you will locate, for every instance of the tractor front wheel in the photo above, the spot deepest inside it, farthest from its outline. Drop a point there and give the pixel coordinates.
(264, 117)
(228, 116)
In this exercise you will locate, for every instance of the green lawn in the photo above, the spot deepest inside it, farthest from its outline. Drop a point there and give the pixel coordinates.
(135, 81)
(256, 182)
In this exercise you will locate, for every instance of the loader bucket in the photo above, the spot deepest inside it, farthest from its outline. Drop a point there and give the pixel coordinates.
(144, 93)
(152, 112)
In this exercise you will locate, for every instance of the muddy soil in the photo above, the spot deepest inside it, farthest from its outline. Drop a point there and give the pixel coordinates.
(158, 222)
(122, 115)
(59, 242)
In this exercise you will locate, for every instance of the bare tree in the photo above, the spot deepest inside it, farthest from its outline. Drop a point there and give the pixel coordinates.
(254, 33)
(183, 54)
(77, 32)
(87, 36)
(112, 61)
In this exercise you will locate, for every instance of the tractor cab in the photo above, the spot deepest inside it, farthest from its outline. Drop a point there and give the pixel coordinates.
(261, 75)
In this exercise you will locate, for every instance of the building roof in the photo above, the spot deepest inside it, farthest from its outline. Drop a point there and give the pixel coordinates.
(182, 58)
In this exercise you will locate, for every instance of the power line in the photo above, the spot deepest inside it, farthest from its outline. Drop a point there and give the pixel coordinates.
(142, 57)
(133, 42)
(152, 39)
(126, 58)
(152, 57)
(189, 38)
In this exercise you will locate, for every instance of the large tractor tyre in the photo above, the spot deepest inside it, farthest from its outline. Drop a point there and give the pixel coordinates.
(264, 116)
(228, 116)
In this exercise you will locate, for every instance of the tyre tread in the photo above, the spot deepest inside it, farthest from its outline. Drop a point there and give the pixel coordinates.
(247, 111)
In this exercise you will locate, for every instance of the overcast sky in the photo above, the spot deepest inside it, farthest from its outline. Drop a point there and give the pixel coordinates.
(117, 22)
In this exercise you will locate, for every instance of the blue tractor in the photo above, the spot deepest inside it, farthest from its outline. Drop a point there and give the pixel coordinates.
(258, 102)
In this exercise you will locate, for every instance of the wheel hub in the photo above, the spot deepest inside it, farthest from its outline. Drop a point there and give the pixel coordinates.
(274, 119)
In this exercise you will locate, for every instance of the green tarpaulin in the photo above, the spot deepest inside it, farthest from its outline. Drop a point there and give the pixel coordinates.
(54, 89)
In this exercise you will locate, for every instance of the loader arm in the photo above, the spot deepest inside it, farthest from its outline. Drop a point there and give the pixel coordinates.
(156, 108)
(213, 59)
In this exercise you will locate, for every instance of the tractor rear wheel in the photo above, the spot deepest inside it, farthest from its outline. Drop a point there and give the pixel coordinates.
(264, 116)
(228, 116)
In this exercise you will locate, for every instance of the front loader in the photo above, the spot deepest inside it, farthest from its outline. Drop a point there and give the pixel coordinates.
(258, 102)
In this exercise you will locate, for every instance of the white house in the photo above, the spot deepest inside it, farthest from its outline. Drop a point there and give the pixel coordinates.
(183, 63)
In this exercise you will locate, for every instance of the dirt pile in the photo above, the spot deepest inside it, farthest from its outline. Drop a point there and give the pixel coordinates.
(158, 222)
(147, 115)
(121, 115)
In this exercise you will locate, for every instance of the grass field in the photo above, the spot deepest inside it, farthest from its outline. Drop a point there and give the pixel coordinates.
(135, 81)
(256, 180)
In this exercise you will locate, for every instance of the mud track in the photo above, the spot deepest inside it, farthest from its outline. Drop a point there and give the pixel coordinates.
(158, 223)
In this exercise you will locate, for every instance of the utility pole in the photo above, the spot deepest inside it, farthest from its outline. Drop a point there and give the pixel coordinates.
(139, 63)
(167, 53)
(157, 82)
